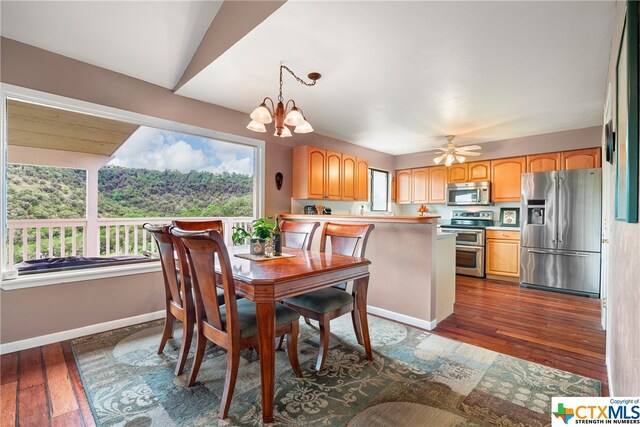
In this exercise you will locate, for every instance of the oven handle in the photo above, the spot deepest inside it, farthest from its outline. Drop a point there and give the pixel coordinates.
(470, 248)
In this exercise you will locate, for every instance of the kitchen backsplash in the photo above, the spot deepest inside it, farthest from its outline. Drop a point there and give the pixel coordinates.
(445, 211)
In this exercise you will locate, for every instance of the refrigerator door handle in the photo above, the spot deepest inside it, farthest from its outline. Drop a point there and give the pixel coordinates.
(576, 254)
(555, 222)
(560, 219)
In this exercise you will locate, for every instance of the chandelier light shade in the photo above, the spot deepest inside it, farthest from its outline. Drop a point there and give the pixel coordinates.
(280, 113)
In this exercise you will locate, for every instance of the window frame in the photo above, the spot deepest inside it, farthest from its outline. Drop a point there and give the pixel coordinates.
(387, 195)
(8, 91)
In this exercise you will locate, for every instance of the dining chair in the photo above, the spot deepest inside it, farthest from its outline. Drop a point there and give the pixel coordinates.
(326, 304)
(297, 235)
(177, 288)
(232, 325)
(197, 225)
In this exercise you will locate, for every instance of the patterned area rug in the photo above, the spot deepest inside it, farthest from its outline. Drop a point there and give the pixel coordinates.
(416, 378)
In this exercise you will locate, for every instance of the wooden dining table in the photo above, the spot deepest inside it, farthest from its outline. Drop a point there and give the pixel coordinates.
(266, 282)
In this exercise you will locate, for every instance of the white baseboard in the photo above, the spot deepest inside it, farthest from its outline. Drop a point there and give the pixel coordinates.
(609, 377)
(419, 323)
(79, 332)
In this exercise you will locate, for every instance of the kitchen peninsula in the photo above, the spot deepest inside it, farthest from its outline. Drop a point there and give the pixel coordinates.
(412, 266)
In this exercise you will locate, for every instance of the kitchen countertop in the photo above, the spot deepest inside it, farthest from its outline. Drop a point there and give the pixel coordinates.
(406, 219)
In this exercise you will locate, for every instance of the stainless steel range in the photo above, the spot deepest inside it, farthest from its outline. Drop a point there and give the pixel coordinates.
(470, 241)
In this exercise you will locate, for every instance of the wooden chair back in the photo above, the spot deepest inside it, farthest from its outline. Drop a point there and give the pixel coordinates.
(204, 249)
(176, 285)
(297, 235)
(213, 224)
(346, 239)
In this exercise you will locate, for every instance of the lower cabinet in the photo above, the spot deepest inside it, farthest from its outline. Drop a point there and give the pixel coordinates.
(503, 255)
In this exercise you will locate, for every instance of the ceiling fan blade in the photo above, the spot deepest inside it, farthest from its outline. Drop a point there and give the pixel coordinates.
(469, 147)
(442, 149)
(467, 153)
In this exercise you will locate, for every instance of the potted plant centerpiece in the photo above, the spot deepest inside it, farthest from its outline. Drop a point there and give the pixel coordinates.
(257, 233)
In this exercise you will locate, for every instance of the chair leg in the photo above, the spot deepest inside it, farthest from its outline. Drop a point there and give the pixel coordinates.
(187, 335)
(307, 321)
(167, 332)
(324, 343)
(233, 361)
(201, 344)
(292, 348)
(356, 326)
(280, 339)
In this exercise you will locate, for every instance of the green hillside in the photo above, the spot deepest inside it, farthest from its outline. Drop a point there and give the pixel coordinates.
(42, 192)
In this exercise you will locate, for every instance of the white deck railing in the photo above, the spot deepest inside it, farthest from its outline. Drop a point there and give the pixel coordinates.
(30, 239)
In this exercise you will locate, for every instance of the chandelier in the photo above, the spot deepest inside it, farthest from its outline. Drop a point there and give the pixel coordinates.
(281, 113)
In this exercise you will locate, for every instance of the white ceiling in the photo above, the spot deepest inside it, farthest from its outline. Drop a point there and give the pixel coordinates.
(150, 40)
(397, 76)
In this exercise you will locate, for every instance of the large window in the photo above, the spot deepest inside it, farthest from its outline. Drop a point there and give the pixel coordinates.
(81, 180)
(379, 185)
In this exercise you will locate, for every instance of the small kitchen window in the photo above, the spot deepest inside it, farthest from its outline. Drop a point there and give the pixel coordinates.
(379, 189)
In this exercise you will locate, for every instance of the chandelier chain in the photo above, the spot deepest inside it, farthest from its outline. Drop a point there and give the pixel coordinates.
(301, 81)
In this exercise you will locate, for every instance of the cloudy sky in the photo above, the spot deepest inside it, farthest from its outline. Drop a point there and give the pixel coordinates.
(151, 148)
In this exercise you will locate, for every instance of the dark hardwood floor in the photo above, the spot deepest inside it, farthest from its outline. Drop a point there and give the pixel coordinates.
(42, 387)
(558, 330)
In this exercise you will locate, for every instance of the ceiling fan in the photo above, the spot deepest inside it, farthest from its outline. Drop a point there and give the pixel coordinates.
(453, 152)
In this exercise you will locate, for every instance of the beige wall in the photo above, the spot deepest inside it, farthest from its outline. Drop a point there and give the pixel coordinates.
(623, 334)
(545, 143)
(33, 312)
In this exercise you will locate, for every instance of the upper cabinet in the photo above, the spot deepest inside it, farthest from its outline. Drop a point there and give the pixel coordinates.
(349, 177)
(403, 192)
(479, 171)
(458, 172)
(362, 184)
(325, 174)
(438, 184)
(581, 159)
(546, 162)
(506, 175)
(420, 185)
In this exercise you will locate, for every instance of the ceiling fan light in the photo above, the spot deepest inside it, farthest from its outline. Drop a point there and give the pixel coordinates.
(450, 158)
(256, 126)
(286, 133)
(461, 159)
(262, 114)
(439, 159)
(294, 118)
(448, 163)
(303, 128)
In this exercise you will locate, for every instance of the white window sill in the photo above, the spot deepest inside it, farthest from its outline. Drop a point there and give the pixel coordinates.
(70, 276)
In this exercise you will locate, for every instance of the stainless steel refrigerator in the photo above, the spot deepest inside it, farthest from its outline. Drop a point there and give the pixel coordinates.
(561, 230)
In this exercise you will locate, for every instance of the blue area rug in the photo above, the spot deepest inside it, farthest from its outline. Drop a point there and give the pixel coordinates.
(416, 378)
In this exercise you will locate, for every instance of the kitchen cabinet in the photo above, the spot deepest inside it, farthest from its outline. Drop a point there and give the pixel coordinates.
(438, 184)
(362, 193)
(349, 177)
(581, 159)
(326, 174)
(420, 185)
(506, 179)
(458, 172)
(479, 171)
(546, 162)
(403, 193)
(334, 176)
(503, 254)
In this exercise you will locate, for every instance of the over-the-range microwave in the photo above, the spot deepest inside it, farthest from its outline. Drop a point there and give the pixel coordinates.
(469, 194)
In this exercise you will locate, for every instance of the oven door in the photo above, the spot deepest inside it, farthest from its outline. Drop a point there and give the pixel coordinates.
(467, 236)
(470, 260)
